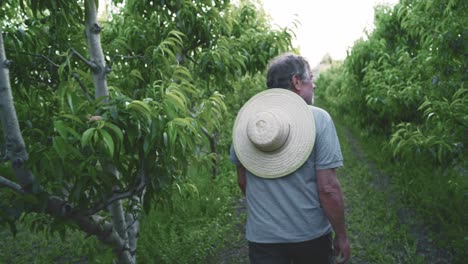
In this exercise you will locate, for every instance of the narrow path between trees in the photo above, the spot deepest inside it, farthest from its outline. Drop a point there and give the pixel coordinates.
(423, 248)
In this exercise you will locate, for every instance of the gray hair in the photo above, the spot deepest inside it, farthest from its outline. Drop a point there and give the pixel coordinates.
(282, 68)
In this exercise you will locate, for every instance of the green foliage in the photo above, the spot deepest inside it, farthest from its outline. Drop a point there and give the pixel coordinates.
(194, 223)
(433, 139)
(406, 83)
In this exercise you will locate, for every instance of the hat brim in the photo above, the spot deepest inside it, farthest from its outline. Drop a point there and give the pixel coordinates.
(297, 148)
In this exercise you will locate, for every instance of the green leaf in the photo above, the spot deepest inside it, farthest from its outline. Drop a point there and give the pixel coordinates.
(116, 131)
(87, 136)
(136, 73)
(60, 146)
(175, 100)
(108, 141)
(74, 118)
(60, 128)
(140, 107)
(181, 122)
(70, 102)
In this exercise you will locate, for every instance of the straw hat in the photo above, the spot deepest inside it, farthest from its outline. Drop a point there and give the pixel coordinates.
(274, 133)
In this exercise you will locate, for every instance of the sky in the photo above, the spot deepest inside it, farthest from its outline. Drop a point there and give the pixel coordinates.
(326, 26)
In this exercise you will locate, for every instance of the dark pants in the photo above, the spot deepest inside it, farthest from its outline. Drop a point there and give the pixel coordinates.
(319, 250)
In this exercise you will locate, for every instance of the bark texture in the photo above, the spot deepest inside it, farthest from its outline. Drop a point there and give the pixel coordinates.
(93, 38)
(15, 148)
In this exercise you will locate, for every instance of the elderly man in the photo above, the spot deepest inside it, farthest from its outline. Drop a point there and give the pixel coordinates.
(287, 152)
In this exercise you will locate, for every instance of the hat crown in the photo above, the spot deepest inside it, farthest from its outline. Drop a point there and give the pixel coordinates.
(274, 133)
(268, 130)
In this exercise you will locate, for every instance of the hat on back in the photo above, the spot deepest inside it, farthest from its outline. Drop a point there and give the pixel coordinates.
(274, 133)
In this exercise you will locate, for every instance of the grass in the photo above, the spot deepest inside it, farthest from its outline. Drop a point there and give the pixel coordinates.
(42, 247)
(376, 234)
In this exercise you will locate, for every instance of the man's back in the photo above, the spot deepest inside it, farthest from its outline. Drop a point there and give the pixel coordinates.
(287, 209)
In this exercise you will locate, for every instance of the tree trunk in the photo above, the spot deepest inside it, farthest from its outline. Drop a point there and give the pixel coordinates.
(15, 148)
(127, 231)
(95, 50)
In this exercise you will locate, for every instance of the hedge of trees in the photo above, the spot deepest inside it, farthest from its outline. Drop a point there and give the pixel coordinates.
(107, 114)
(406, 82)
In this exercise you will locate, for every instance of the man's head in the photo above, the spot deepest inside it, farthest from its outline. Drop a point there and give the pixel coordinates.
(292, 72)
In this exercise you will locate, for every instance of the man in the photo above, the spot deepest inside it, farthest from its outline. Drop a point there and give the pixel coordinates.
(286, 152)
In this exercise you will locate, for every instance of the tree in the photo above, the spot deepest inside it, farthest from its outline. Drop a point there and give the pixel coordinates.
(93, 161)
(407, 80)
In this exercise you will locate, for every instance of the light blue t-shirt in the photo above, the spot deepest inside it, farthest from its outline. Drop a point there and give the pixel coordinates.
(287, 209)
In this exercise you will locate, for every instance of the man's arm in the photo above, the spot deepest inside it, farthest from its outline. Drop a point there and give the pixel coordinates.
(241, 178)
(331, 199)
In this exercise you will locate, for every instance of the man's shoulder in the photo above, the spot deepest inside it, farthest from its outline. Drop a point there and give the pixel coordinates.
(319, 113)
(316, 109)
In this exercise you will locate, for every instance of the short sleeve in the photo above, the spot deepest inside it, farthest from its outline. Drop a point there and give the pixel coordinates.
(233, 157)
(327, 146)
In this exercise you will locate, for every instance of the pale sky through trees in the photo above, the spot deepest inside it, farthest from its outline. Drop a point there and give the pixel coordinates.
(327, 26)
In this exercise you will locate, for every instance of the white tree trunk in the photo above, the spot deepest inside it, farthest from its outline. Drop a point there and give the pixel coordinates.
(95, 50)
(128, 234)
(15, 148)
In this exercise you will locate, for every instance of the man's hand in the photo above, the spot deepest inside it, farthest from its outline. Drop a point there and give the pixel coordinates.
(331, 199)
(342, 250)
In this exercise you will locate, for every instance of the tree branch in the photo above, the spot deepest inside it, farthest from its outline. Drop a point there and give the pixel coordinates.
(82, 86)
(126, 57)
(92, 65)
(191, 59)
(4, 182)
(119, 196)
(104, 231)
(212, 141)
(91, 225)
(133, 220)
(133, 227)
(123, 195)
(118, 219)
(36, 55)
(57, 207)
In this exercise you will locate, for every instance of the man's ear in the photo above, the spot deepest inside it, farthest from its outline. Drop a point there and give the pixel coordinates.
(296, 81)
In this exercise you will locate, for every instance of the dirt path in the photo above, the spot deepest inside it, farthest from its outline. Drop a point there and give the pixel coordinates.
(424, 244)
(236, 250)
